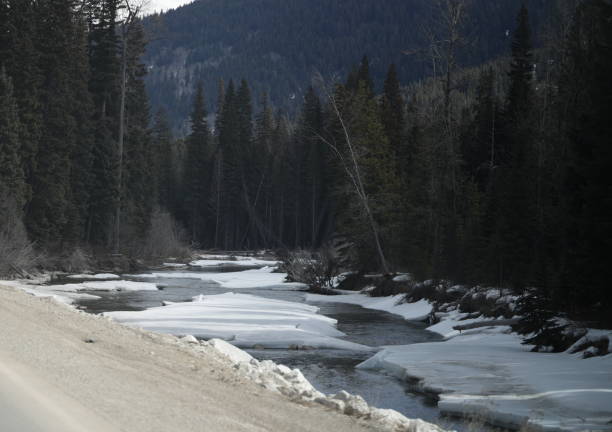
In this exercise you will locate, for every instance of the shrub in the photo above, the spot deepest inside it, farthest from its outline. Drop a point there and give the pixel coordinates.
(316, 269)
(17, 254)
(164, 238)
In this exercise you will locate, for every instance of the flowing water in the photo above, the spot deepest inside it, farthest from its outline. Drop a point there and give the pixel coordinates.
(328, 370)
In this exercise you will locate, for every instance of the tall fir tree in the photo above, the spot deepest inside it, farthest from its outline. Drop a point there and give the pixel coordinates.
(13, 189)
(197, 171)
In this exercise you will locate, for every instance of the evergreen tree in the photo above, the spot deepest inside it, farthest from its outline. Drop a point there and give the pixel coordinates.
(13, 190)
(47, 212)
(586, 98)
(197, 170)
(480, 146)
(164, 165)
(81, 157)
(392, 115)
(516, 234)
(104, 87)
(138, 191)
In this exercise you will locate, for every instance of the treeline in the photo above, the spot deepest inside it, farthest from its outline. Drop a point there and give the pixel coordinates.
(79, 161)
(495, 175)
(276, 45)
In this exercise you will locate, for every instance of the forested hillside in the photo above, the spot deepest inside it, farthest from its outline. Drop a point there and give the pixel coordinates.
(277, 45)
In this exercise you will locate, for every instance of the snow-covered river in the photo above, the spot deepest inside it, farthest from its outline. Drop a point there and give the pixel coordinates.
(329, 370)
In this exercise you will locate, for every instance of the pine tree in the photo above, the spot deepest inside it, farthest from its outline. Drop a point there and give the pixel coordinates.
(392, 115)
(165, 180)
(197, 170)
(47, 212)
(13, 188)
(516, 235)
(480, 146)
(586, 97)
(22, 61)
(138, 191)
(104, 87)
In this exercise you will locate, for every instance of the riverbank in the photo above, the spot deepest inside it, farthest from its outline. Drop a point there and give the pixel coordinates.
(117, 378)
(486, 372)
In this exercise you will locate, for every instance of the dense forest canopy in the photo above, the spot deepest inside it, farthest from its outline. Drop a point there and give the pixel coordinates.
(278, 45)
(494, 173)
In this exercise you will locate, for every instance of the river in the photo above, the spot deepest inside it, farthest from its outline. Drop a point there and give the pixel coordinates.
(328, 370)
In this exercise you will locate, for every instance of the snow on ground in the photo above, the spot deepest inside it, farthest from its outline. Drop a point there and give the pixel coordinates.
(488, 373)
(174, 265)
(417, 311)
(257, 278)
(100, 276)
(32, 288)
(291, 383)
(69, 293)
(244, 320)
(111, 285)
(239, 261)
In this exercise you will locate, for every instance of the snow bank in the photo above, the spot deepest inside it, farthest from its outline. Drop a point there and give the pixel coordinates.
(100, 276)
(174, 265)
(228, 261)
(417, 311)
(244, 320)
(257, 278)
(70, 293)
(32, 287)
(291, 383)
(488, 373)
(120, 285)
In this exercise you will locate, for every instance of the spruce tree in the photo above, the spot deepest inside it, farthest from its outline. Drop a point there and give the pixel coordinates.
(197, 170)
(104, 87)
(138, 189)
(47, 212)
(392, 115)
(515, 215)
(13, 190)
(165, 180)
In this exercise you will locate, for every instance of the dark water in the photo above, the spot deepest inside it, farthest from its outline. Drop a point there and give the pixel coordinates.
(328, 370)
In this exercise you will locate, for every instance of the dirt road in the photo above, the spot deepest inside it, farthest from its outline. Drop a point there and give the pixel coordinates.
(61, 370)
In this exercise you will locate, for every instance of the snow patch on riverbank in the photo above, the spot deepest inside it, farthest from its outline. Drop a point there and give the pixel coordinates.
(98, 276)
(488, 373)
(244, 320)
(264, 278)
(70, 293)
(291, 383)
(215, 261)
(417, 311)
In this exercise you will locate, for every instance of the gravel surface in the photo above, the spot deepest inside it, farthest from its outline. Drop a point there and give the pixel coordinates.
(65, 370)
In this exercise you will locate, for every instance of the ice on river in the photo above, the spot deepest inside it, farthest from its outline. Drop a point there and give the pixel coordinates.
(417, 311)
(98, 276)
(257, 278)
(238, 261)
(487, 372)
(244, 320)
(72, 292)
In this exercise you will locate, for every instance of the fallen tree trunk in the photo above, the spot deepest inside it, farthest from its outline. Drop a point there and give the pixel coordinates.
(490, 323)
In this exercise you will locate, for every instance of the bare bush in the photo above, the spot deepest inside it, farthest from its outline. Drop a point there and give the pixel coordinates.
(165, 237)
(77, 261)
(17, 254)
(315, 269)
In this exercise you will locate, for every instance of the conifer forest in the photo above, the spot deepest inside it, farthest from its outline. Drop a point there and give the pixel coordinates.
(482, 166)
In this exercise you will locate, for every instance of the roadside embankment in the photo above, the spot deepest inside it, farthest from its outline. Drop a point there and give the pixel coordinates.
(83, 372)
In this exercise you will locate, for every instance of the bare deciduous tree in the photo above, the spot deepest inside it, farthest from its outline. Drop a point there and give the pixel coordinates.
(351, 166)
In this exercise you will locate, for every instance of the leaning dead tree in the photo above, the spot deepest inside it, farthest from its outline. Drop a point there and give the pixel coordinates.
(350, 164)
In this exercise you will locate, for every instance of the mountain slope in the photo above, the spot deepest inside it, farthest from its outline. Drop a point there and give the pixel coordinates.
(277, 45)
